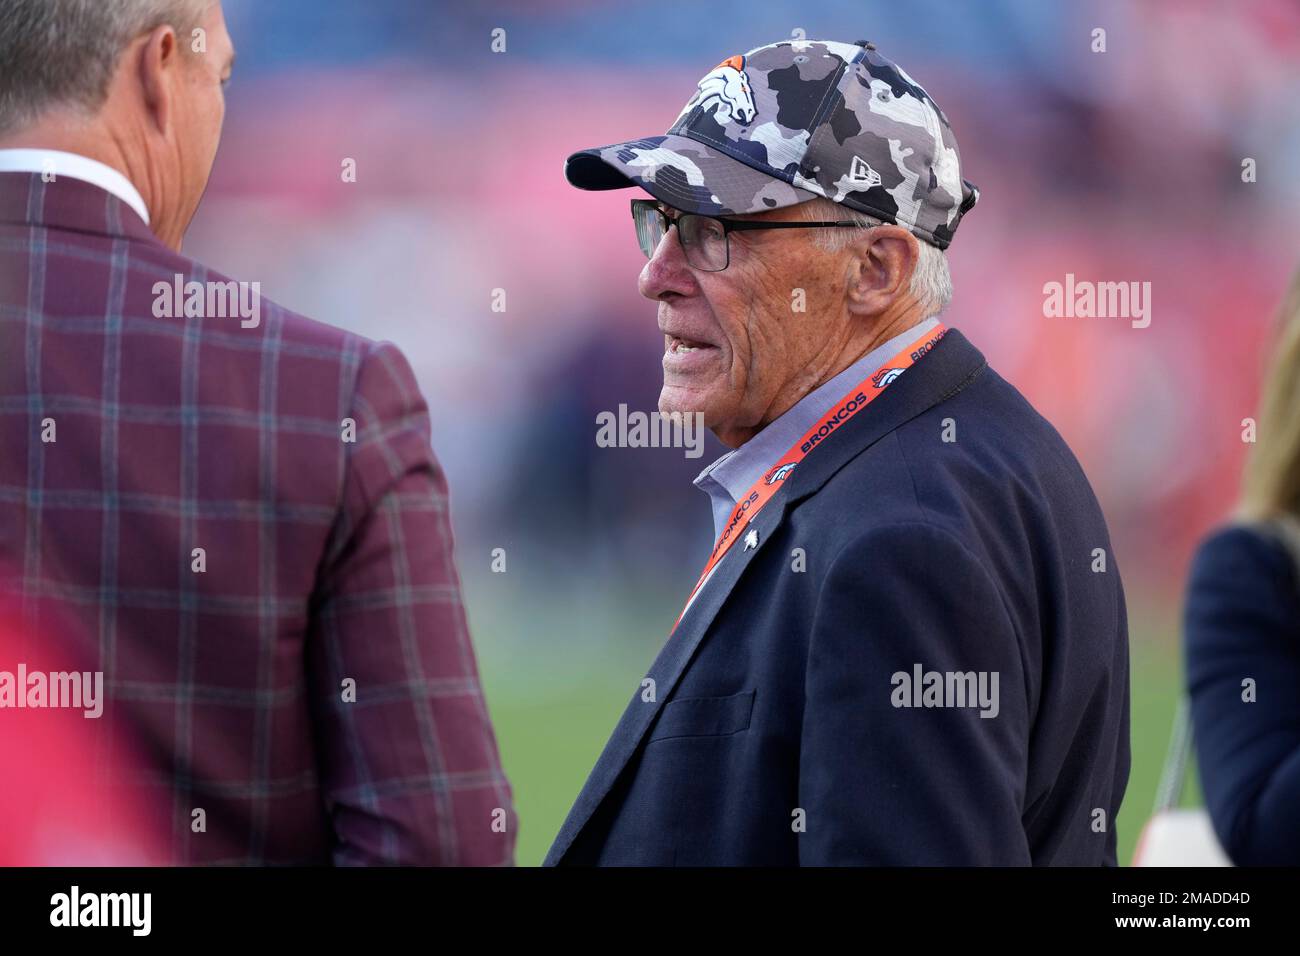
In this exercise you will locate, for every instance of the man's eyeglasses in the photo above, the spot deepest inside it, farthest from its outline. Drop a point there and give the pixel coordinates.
(704, 239)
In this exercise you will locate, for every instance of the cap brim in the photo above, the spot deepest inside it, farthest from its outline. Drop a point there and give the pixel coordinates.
(684, 174)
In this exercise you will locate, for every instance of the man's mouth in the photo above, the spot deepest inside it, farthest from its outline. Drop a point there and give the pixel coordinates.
(677, 345)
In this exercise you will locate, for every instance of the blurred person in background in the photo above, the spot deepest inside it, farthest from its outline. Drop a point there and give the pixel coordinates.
(909, 645)
(239, 508)
(1242, 634)
(57, 806)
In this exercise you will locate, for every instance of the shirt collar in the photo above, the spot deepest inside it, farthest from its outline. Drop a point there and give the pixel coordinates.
(73, 166)
(734, 473)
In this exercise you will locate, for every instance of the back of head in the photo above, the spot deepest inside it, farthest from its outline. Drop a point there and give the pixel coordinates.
(62, 53)
(133, 84)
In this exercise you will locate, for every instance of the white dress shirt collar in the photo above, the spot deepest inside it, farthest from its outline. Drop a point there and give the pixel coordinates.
(59, 163)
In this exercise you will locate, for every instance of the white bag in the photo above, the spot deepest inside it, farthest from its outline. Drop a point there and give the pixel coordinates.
(1174, 836)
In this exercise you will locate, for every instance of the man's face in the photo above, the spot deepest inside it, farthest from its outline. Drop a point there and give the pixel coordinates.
(738, 347)
(201, 108)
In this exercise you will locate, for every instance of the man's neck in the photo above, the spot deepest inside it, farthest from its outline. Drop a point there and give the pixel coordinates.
(822, 369)
(855, 351)
(68, 132)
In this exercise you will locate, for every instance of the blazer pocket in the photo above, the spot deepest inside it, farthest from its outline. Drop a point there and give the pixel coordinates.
(704, 716)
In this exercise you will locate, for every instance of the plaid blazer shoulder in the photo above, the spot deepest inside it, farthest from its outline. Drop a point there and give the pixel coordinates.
(244, 517)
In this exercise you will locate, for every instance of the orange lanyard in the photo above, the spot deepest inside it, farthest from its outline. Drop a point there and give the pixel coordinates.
(855, 400)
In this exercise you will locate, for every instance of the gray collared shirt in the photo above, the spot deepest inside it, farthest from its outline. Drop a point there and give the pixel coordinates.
(732, 475)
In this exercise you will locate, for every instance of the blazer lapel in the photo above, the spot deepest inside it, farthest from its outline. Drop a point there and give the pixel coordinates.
(666, 671)
(949, 366)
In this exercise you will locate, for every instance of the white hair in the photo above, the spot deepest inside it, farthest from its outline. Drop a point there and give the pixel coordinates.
(931, 283)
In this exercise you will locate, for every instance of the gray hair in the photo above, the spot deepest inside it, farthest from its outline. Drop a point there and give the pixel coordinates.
(931, 281)
(64, 52)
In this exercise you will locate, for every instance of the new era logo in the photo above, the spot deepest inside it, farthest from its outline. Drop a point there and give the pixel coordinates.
(860, 171)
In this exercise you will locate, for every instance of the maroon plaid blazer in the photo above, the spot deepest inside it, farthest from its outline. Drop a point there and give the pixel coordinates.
(327, 560)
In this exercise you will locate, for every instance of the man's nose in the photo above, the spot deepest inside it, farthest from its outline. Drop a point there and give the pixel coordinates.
(667, 273)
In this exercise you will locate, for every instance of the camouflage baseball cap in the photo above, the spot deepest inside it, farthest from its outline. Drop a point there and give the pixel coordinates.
(792, 120)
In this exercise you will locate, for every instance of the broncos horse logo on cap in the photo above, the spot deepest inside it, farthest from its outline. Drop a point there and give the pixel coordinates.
(726, 91)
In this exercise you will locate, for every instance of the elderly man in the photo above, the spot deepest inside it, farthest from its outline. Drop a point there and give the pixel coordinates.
(241, 512)
(908, 645)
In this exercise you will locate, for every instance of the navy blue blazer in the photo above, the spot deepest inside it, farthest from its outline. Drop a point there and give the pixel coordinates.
(776, 733)
(1242, 622)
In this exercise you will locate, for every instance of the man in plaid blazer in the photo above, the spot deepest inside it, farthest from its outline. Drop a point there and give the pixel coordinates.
(240, 510)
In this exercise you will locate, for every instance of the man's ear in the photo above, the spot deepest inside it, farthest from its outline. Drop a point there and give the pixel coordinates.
(881, 269)
(159, 66)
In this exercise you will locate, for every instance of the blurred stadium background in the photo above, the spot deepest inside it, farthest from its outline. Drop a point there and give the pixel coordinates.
(1123, 165)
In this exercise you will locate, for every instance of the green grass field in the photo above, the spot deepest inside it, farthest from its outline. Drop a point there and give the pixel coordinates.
(555, 699)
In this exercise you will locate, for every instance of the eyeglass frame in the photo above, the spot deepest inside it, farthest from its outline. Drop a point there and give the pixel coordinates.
(728, 226)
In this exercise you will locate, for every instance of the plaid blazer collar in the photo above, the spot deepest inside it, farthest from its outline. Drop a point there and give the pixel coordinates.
(26, 199)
